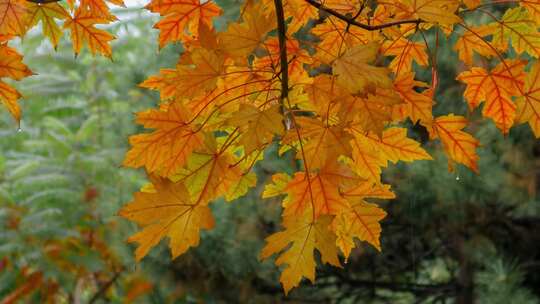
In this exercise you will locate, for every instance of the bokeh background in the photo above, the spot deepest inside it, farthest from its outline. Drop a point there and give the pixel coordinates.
(448, 238)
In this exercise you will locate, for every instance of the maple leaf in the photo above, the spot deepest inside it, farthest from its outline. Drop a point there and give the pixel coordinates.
(83, 32)
(528, 105)
(354, 72)
(166, 210)
(517, 26)
(12, 17)
(11, 64)
(496, 88)
(99, 8)
(361, 220)
(405, 52)
(458, 145)
(306, 235)
(46, 13)
(188, 80)
(167, 149)
(471, 41)
(375, 111)
(240, 39)
(181, 16)
(320, 192)
(209, 174)
(394, 146)
(336, 38)
(9, 97)
(533, 7)
(259, 127)
(436, 11)
(321, 142)
(417, 106)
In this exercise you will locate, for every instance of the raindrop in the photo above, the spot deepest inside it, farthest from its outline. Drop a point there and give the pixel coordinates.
(19, 130)
(457, 178)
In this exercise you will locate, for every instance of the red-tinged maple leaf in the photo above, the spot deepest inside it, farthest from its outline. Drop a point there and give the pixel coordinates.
(189, 80)
(320, 192)
(417, 106)
(242, 38)
(297, 58)
(182, 17)
(496, 88)
(12, 17)
(458, 145)
(362, 219)
(167, 149)
(405, 52)
(9, 97)
(166, 210)
(528, 105)
(83, 31)
(472, 41)
(298, 242)
(47, 13)
(11, 64)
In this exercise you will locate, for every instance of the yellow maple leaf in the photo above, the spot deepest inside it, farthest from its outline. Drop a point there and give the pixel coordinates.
(362, 219)
(472, 41)
(458, 145)
(167, 210)
(434, 11)
(304, 235)
(354, 72)
(518, 27)
(242, 38)
(83, 31)
(417, 106)
(259, 127)
(47, 13)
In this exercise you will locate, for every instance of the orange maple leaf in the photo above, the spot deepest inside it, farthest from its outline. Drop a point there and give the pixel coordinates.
(83, 31)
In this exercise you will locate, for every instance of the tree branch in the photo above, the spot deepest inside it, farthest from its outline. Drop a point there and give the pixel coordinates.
(351, 21)
(284, 64)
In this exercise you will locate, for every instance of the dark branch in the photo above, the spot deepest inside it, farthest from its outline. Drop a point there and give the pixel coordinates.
(284, 64)
(351, 21)
(43, 1)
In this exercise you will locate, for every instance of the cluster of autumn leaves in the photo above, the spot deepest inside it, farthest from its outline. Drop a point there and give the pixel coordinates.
(17, 17)
(347, 89)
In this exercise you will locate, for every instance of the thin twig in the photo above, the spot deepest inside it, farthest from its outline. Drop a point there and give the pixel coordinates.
(351, 21)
